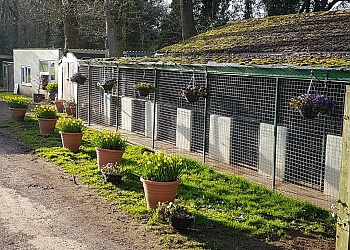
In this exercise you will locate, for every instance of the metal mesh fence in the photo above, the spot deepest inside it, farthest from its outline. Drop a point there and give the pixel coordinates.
(235, 125)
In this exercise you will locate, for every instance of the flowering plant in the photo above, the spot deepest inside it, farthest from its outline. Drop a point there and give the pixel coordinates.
(167, 211)
(113, 169)
(110, 140)
(70, 125)
(18, 102)
(160, 167)
(78, 78)
(311, 106)
(45, 111)
(193, 92)
(52, 87)
(108, 82)
(145, 86)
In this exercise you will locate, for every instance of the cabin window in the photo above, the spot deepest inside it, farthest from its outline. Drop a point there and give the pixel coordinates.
(26, 75)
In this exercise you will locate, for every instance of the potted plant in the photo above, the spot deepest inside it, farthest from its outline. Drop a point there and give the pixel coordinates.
(78, 78)
(107, 84)
(71, 108)
(144, 88)
(47, 118)
(71, 131)
(59, 105)
(192, 93)
(311, 106)
(175, 213)
(18, 107)
(160, 176)
(52, 89)
(112, 172)
(110, 147)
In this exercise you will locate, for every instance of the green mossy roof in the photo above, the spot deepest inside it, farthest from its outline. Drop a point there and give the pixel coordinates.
(322, 31)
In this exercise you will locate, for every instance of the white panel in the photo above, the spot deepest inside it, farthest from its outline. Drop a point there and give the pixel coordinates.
(332, 165)
(149, 107)
(266, 141)
(126, 109)
(219, 138)
(183, 129)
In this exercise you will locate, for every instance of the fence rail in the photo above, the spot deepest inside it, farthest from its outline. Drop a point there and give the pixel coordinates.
(244, 126)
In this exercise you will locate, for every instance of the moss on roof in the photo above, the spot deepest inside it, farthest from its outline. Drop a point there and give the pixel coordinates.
(322, 31)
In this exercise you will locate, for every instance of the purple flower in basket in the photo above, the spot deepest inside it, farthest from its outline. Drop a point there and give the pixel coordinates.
(315, 104)
(78, 78)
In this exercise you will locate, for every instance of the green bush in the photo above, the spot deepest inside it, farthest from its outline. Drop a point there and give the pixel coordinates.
(70, 125)
(18, 102)
(110, 140)
(45, 111)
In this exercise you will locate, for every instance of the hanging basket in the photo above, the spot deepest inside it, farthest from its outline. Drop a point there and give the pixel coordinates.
(107, 87)
(308, 113)
(143, 92)
(192, 98)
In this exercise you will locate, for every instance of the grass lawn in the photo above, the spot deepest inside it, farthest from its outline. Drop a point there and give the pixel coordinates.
(227, 206)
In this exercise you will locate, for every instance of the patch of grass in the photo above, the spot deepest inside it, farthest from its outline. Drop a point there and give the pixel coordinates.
(225, 205)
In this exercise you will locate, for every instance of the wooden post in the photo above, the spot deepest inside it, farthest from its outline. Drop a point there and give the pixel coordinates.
(343, 215)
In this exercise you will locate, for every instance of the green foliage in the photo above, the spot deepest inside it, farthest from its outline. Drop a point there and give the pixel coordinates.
(70, 125)
(110, 140)
(225, 204)
(145, 86)
(52, 87)
(165, 211)
(160, 166)
(45, 111)
(18, 101)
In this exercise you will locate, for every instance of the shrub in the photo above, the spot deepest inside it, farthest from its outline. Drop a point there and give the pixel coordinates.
(52, 87)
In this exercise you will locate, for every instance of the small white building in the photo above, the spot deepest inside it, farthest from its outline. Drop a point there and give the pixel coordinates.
(34, 69)
(67, 66)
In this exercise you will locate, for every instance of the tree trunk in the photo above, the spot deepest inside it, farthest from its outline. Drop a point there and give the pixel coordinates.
(114, 29)
(248, 11)
(187, 19)
(71, 26)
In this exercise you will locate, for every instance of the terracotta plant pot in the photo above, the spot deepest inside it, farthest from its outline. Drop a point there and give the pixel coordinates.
(71, 141)
(47, 126)
(59, 105)
(17, 114)
(105, 156)
(159, 191)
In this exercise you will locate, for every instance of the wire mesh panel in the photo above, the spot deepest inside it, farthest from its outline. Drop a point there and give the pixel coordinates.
(250, 127)
(239, 107)
(313, 146)
(83, 95)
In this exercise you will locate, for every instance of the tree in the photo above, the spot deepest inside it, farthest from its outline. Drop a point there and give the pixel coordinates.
(187, 19)
(276, 7)
(319, 5)
(70, 22)
(248, 9)
(114, 28)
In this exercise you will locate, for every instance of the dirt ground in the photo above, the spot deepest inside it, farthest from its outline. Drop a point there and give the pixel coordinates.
(41, 208)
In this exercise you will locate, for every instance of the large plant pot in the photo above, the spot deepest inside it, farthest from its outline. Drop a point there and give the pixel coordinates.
(159, 191)
(47, 126)
(18, 114)
(59, 105)
(105, 156)
(71, 141)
